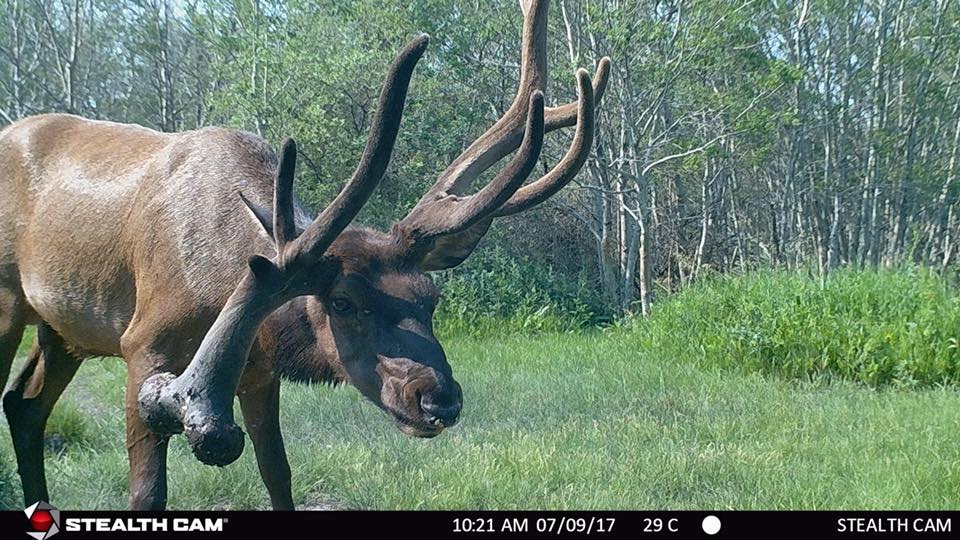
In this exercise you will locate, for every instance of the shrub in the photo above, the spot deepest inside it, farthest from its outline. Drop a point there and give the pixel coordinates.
(895, 327)
(494, 293)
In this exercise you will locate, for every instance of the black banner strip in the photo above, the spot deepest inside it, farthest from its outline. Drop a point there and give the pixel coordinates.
(474, 524)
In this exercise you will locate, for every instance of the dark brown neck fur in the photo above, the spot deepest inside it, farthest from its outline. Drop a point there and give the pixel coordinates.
(292, 339)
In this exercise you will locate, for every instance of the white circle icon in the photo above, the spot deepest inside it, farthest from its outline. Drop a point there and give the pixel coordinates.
(711, 525)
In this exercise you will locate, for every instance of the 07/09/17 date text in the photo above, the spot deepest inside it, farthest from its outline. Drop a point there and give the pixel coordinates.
(555, 525)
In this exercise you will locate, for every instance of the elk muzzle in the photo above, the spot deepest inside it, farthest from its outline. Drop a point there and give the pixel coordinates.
(422, 400)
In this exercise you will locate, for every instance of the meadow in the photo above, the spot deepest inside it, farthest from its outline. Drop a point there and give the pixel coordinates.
(764, 391)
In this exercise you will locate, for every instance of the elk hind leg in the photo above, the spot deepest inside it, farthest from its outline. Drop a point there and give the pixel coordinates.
(49, 369)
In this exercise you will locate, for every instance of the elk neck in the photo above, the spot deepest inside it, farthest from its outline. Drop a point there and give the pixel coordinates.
(296, 341)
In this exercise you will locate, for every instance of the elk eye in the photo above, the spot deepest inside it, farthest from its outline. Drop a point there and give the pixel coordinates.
(341, 305)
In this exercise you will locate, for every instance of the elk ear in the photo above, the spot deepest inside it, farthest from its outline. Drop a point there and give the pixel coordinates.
(263, 269)
(263, 214)
(452, 249)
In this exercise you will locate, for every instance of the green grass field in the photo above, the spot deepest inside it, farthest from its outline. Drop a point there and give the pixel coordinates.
(559, 421)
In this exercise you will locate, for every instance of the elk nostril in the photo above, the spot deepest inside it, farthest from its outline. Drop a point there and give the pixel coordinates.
(439, 413)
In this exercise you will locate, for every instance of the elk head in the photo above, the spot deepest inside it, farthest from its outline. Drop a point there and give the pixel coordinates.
(371, 290)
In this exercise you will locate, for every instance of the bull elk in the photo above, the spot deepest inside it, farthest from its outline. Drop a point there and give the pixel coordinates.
(187, 253)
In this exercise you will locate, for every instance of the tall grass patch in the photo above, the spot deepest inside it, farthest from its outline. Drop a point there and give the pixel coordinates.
(890, 327)
(9, 483)
(498, 294)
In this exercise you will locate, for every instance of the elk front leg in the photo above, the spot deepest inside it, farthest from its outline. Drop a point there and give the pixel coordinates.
(146, 450)
(261, 415)
(199, 402)
(49, 369)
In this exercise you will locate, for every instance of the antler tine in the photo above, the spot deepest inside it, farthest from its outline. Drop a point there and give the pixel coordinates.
(505, 135)
(533, 50)
(376, 155)
(284, 226)
(451, 214)
(539, 191)
(566, 115)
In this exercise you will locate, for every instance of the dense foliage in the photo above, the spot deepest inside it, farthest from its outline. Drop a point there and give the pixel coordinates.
(882, 328)
(497, 294)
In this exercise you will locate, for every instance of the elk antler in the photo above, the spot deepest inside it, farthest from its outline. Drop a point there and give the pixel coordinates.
(200, 401)
(432, 216)
(572, 162)
(449, 214)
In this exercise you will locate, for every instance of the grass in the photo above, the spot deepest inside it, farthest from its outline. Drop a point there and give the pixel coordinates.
(559, 422)
(890, 327)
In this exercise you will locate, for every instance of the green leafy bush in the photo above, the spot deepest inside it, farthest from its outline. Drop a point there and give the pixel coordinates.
(494, 293)
(895, 327)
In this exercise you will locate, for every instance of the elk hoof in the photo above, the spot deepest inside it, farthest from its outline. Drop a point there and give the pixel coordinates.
(215, 442)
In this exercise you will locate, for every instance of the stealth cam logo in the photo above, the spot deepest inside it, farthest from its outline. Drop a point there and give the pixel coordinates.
(44, 519)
